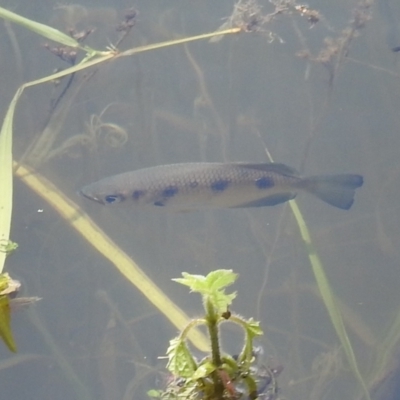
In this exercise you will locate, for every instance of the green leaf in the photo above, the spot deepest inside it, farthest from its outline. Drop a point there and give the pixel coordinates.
(204, 370)
(8, 285)
(251, 387)
(215, 280)
(154, 393)
(230, 365)
(212, 286)
(221, 301)
(41, 29)
(221, 279)
(180, 361)
(195, 282)
(5, 327)
(8, 247)
(253, 328)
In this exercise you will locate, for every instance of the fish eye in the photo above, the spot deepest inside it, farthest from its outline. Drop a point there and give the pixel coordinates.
(113, 198)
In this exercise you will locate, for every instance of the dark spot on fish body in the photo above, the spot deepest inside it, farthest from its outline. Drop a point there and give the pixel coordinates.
(164, 195)
(220, 185)
(137, 194)
(170, 191)
(265, 182)
(193, 184)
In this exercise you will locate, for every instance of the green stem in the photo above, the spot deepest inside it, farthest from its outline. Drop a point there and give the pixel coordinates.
(212, 324)
(247, 351)
(212, 319)
(191, 325)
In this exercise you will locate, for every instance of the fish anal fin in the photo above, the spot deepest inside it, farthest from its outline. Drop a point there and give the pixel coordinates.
(269, 201)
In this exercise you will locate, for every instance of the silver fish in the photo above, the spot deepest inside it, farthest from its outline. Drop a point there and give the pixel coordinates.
(196, 186)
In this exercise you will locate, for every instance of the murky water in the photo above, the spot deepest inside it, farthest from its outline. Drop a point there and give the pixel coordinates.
(332, 110)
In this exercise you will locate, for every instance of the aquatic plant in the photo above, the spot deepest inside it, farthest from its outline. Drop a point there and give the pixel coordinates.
(246, 17)
(217, 375)
(331, 58)
(42, 149)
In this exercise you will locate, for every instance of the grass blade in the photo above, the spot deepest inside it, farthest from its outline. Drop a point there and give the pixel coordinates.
(5, 328)
(328, 296)
(41, 29)
(85, 226)
(326, 292)
(66, 208)
(6, 182)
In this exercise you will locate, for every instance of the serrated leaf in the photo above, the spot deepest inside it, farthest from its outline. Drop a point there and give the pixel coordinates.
(180, 360)
(253, 328)
(5, 327)
(203, 370)
(221, 301)
(214, 281)
(8, 247)
(212, 286)
(195, 282)
(220, 279)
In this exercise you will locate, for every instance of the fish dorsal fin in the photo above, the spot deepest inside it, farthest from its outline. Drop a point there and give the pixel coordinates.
(271, 167)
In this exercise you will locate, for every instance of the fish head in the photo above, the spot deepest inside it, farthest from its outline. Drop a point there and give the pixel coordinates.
(103, 194)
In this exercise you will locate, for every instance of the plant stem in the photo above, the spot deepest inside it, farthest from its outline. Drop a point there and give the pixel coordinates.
(212, 319)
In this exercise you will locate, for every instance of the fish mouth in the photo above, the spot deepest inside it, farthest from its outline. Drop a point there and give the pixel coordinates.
(88, 196)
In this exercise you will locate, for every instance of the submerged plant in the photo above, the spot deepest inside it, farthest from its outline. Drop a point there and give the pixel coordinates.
(217, 375)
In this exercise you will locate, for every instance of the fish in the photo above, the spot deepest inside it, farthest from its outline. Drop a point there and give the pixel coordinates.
(198, 186)
(392, 25)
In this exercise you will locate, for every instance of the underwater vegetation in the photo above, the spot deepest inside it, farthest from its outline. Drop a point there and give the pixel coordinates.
(218, 375)
(149, 86)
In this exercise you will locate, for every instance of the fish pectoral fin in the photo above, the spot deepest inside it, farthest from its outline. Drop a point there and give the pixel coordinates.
(269, 201)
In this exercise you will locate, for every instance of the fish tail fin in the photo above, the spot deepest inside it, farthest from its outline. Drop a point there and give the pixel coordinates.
(336, 190)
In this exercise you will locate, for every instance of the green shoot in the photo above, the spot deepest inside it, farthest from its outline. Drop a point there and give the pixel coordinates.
(217, 375)
(211, 286)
